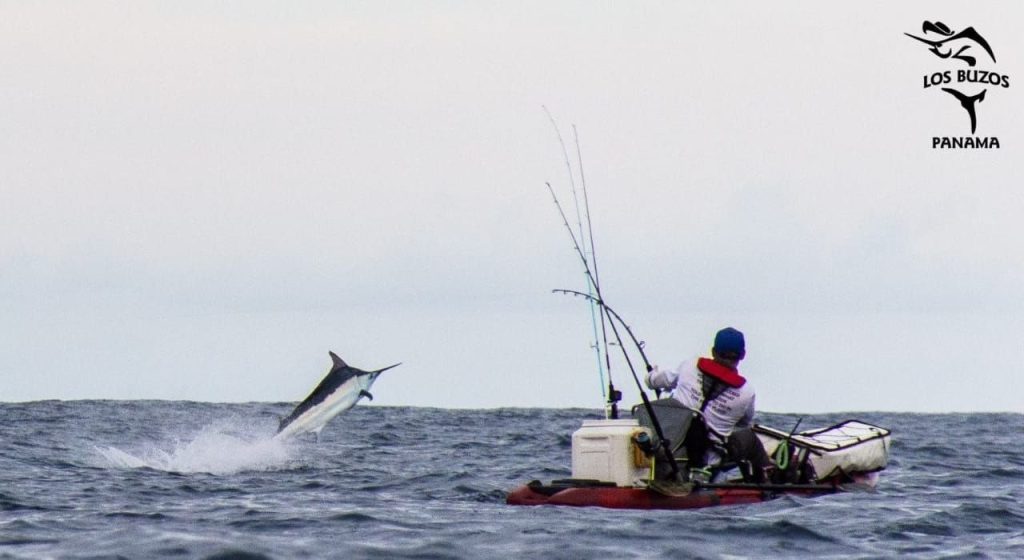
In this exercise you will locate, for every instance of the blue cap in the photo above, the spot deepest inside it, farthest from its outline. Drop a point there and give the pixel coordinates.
(729, 344)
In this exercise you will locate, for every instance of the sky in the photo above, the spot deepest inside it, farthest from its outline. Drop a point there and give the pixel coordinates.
(198, 200)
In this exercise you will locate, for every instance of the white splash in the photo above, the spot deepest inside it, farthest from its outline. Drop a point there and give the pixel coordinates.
(213, 450)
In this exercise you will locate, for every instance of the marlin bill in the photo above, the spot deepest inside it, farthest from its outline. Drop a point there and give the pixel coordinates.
(339, 391)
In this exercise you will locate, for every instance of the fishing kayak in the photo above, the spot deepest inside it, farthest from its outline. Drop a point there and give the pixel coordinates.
(584, 493)
(611, 471)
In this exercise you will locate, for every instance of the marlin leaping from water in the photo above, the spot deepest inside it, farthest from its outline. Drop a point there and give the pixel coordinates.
(968, 36)
(339, 391)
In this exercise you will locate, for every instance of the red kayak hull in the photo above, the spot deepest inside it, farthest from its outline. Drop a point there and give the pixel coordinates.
(642, 498)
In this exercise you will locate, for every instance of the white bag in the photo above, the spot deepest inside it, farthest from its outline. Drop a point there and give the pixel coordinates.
(848, 448)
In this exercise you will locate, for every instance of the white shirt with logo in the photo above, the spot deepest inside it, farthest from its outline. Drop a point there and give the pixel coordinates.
(732, 408)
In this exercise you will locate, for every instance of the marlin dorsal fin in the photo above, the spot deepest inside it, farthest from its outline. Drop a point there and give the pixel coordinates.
(338, 362)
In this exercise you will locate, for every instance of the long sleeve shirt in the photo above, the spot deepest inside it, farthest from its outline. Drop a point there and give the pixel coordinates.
(732, 408)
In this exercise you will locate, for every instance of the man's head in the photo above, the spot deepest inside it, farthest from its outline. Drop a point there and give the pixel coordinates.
(729, 345)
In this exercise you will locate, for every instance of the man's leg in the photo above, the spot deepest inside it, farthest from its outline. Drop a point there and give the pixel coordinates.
(743, 445)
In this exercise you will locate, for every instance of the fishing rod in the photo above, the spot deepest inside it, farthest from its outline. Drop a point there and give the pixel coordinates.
(599, 300)
(612, 396)
(593, 258)
(639, 344)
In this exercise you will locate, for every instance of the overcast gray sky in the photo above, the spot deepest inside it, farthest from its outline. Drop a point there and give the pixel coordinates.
(198, 200)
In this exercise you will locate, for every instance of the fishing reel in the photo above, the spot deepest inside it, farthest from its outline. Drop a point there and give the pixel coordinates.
(612, 405)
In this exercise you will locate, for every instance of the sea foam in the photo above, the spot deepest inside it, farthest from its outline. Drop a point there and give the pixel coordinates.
(217, 449)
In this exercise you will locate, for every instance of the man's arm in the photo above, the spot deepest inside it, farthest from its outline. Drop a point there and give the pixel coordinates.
(659, 379)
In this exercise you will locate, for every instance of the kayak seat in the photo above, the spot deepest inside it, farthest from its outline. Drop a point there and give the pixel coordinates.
(687, 436)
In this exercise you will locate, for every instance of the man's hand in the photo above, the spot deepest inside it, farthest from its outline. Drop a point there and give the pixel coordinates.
(647, 377)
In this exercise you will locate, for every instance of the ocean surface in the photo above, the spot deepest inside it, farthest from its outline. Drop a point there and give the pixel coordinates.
(154, 479)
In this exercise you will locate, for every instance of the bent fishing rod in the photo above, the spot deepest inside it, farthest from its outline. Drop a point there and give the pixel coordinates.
(599, 300)
(639, 344)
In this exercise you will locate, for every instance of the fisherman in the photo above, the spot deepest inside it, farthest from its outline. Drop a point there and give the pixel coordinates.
(715, 390)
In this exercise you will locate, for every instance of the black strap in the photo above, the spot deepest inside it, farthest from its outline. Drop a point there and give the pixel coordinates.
(697, 439)
(710, 389)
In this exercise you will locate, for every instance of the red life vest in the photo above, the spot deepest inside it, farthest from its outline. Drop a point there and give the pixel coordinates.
(721, 372)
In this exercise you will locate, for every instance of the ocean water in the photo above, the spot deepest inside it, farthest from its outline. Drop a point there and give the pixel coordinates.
(151, 479)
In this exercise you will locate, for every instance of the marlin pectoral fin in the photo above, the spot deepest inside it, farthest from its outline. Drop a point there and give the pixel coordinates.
(970, 60)
(365, 393)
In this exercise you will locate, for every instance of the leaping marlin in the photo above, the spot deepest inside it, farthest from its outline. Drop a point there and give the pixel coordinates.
(968, 35)
(968, 103)
(339, 391)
